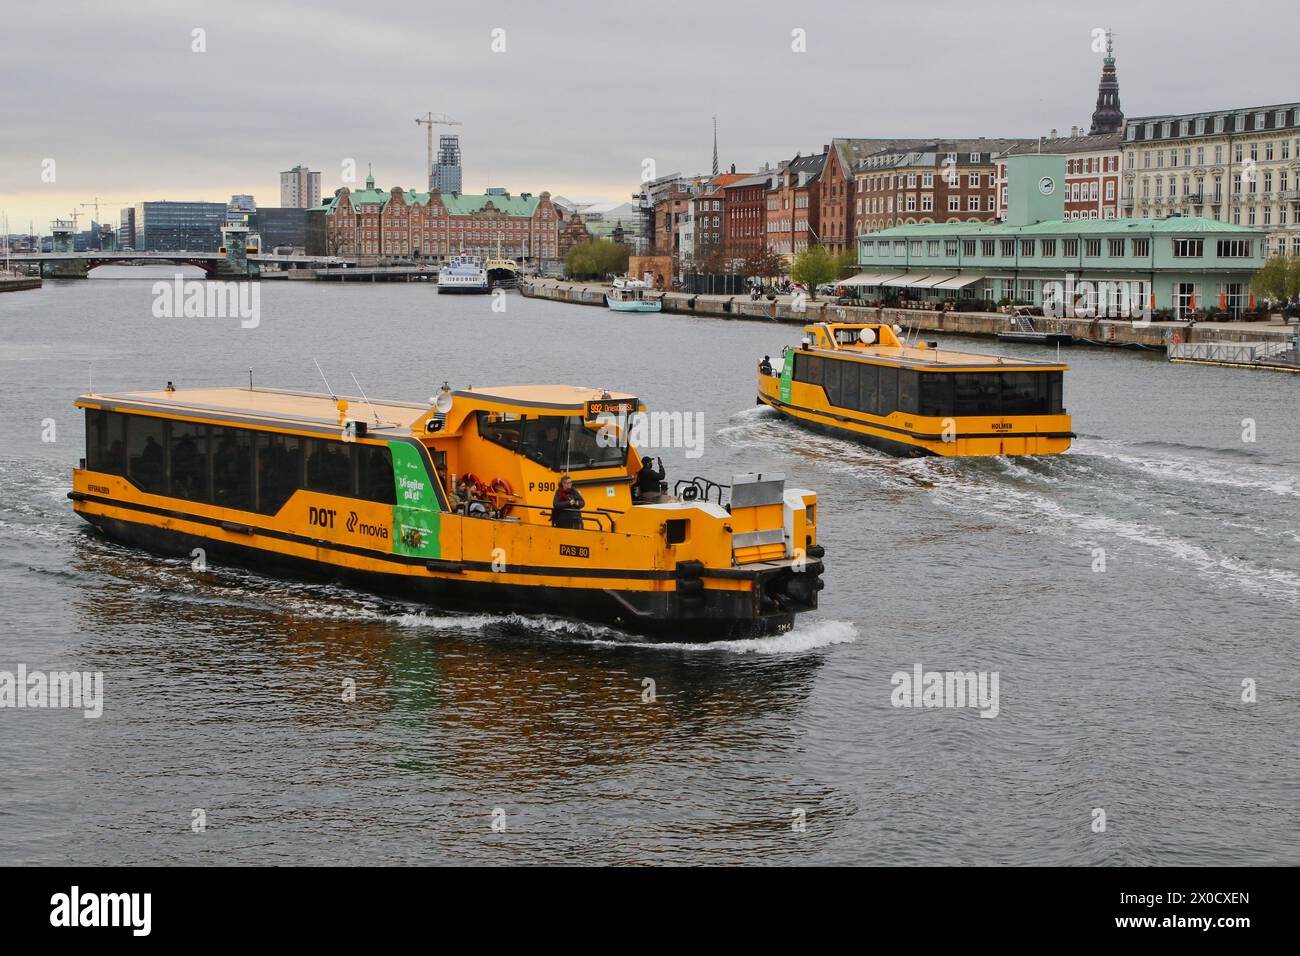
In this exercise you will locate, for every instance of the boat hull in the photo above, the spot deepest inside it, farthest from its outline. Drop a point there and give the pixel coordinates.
(463, 290)
(644, 306)
(661, 615)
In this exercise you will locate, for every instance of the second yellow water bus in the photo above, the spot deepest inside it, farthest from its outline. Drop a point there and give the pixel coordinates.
(860, 380)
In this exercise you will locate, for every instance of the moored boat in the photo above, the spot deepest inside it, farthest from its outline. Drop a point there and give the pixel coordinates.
(463, 274)
(632, 295)
(862, 381)
(454, 501)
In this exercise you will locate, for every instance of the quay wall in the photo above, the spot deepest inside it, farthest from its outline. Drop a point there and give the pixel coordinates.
(18, 283)
(1155, 335)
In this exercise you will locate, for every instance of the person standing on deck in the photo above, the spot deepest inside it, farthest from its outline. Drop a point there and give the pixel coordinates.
(566, 507)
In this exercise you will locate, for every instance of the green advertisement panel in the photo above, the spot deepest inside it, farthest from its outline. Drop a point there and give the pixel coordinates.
(787, 372)
(415, 513)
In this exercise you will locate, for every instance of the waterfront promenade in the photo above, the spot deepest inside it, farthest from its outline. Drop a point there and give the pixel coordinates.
(1107, 332)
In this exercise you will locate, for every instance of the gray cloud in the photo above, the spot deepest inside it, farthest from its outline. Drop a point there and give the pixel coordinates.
(584, 92)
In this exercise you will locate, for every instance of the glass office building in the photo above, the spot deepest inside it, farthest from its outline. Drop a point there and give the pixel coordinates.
(166, 226)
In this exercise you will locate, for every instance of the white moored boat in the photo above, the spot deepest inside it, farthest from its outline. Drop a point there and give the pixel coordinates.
(463, 274)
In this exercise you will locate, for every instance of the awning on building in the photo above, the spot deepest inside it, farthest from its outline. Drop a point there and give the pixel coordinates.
(903, 282)
(929, 282)
(868, 278)
(958, 282)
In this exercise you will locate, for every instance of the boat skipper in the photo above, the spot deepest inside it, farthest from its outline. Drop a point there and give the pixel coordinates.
(566, 507)
(765, 366)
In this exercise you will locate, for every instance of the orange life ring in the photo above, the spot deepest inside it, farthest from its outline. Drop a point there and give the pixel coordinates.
(501, 494)
(475, 484)
(1175, 339)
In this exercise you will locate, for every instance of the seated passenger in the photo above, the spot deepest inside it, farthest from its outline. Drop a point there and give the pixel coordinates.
(649, 480)
(566, 507)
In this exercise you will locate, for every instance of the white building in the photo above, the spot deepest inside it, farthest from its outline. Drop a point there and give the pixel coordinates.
(299, 188)
(1240, 166)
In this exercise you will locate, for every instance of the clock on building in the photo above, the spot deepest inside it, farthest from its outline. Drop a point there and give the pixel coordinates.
(1047, 185)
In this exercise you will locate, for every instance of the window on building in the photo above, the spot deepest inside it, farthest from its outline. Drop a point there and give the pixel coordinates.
(988, 248)
(1189, 248)
(1049, 247)
(1116, 248)
(1070, 248)
(1008, 248)
(1092, 248)
(1141, 248)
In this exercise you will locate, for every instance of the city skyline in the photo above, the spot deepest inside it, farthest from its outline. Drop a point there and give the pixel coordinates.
(223, 121)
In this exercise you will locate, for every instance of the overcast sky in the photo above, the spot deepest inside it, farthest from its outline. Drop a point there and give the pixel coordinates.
(582, 94)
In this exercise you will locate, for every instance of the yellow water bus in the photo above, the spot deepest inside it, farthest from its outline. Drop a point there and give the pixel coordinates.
(451, 500)
(861, 381)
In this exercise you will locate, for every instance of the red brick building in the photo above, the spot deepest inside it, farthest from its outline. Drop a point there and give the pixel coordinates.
(794, 205)
(838, 189)
(745, 206)
(937, 181)
(405, 224)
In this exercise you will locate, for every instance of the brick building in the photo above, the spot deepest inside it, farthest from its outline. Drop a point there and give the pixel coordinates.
(838, 189)
(745, 207)
(406, 224)
(935, 181)
(794, 204)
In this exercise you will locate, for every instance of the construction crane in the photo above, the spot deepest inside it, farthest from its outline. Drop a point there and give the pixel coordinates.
(96, 202)
(431, 120)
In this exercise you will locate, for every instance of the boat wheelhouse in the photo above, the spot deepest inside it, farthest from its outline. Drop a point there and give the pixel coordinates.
(862, 381)
(632, 295)
(453, 501)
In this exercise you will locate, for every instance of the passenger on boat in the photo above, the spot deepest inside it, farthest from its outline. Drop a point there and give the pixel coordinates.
(649, 480)
(468, 501)
(765, 366)
(566, 508)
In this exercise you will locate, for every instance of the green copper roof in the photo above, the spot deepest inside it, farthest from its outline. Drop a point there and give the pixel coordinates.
(1060, 227)
(467, 205)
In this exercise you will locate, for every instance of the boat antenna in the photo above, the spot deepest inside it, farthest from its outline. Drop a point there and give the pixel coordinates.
(90, 378)
(363, 396)
(325, 380)
(250, 378)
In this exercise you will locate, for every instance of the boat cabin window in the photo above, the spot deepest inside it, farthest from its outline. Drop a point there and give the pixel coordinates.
(189, 464)
(991, 393)
(146, 454)
(558, 442)
(885, 389)
(239, 468)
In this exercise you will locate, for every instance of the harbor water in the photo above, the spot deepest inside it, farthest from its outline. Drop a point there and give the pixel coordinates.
(1137, 598)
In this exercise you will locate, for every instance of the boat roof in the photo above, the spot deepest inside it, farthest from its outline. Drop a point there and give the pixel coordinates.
(936, 358)
(270, 404)
(313, 409)
(567, 398)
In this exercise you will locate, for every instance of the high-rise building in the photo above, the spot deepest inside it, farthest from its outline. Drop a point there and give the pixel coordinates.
(126, 228)
(446, 171)
(299, 188)
(167, 226)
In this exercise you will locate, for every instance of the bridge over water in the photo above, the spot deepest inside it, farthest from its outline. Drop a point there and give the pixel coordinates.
(76, 265)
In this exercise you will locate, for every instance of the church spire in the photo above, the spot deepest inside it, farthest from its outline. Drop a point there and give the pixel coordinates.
(1108, 117)
(715, 145)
